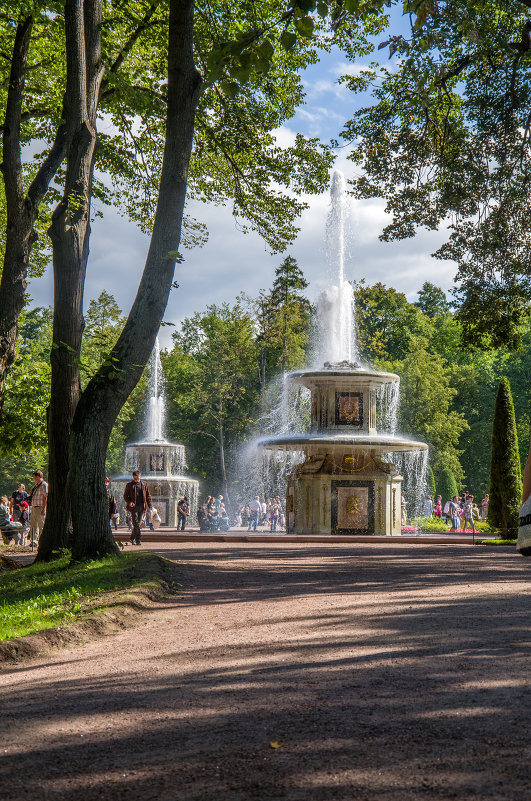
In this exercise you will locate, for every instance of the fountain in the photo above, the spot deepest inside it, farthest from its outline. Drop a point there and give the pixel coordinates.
(347, 483)
(161, 463)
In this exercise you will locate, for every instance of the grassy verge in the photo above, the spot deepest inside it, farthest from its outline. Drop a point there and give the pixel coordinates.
(45, 595)
(496, 542)
(433, 524)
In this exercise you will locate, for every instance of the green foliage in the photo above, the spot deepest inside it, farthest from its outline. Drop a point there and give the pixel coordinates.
(505, 469)
(446, 485)
(47, 594)
(283, 317)
(386, 322)
(432, 301)
(447, 139)
(212, 386)
(431, 484)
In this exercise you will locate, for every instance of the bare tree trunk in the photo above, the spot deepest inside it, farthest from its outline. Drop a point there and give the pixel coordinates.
(70, 233)
(108, 390)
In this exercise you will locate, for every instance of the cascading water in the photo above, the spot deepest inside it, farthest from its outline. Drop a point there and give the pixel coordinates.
(344, 480)
(336, 302)
(156, 406)
(162, 463)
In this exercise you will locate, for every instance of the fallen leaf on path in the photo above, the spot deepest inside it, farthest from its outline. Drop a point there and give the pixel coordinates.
(276, 744)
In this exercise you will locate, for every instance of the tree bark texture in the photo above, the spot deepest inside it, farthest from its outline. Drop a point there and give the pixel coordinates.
(108, 390)
(70, 234)
(22, 209)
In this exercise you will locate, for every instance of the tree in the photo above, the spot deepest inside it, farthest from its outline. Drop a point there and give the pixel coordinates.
(284, 321)
(505, 495)
(386, 322)
(248, 57)
(432, 301)
(431, 484)
(446, 485)
(425, 407)
(213, 387)
(448, 140)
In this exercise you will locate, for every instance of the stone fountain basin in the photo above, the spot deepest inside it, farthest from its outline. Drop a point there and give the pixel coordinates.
(339, 443)
(309, 378)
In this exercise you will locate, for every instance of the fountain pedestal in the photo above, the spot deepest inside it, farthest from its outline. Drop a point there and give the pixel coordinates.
(162, 466)
(344, 486)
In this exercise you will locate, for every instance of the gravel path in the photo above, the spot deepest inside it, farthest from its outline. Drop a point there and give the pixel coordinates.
(389, 673)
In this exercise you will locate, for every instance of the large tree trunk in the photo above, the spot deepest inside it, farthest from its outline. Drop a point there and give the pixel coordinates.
(70, 234)
(108, 390)
(22, 209)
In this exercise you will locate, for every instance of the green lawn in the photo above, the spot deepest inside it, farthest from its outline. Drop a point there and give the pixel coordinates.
(44, 595)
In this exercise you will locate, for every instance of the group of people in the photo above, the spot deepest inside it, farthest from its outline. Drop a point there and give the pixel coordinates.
(212, 515)
(22, 515)
(461, 511)
(268, 513)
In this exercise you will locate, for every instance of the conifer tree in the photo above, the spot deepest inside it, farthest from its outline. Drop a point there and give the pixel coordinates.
(505, 470)
(431, 483)
(447, 485)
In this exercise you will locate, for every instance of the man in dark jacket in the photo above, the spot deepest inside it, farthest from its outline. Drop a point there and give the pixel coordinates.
(137, 499)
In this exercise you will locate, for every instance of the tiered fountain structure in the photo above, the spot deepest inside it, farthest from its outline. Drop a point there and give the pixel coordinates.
(161, 463)
(347, 483)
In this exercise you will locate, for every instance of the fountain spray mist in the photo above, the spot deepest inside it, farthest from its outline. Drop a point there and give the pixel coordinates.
(155, 417)
(336, 322)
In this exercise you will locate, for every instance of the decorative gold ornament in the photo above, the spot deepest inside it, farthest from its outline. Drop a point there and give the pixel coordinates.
(353, 506)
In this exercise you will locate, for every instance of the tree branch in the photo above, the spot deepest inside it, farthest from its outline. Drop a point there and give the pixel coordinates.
(11, 155)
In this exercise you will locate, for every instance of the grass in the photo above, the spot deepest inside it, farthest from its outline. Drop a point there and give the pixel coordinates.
(47, 594)
(496, 542)
(435, 524)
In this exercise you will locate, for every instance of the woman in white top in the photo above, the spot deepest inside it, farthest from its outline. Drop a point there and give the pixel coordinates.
(523, 543)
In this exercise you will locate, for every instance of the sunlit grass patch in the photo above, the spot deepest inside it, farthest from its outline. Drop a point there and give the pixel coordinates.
(496, 542)
(44, 595)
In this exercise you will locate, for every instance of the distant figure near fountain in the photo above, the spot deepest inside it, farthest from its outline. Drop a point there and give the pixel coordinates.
(161, 463)
(345, 485)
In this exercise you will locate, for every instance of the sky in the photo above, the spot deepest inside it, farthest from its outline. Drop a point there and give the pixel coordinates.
(231, 261)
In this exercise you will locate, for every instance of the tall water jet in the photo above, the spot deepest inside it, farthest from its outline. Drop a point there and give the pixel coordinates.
(336, 302)
(161, 463)
(156, 403)
(346, 482)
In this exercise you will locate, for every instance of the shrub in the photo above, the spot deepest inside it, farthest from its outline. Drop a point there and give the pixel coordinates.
(447, 485)
(505, 470)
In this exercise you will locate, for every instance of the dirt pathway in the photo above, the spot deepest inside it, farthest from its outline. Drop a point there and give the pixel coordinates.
(389, 673)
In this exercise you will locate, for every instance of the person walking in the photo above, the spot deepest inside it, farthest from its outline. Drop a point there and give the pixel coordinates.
(428, 507)
(183, 511)
(453, 511)
(137, 498)
(255, 507)
(468, 517)
(485, 507)
(38, 498)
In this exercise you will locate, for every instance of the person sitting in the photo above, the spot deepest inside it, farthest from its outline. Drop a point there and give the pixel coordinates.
(10, 529)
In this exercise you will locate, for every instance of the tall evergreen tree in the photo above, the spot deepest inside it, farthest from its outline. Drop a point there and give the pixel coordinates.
(284, 319)
(446, 485)
(431, 483)
(505, 470)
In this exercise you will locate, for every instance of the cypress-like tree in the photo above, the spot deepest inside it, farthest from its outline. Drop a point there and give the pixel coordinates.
(431, 484)
(447, 485)
(505, 470)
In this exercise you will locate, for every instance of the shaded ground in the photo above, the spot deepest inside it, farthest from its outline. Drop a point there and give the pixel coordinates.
(387, 672)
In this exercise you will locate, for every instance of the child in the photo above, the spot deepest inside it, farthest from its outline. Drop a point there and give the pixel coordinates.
(24, 519)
